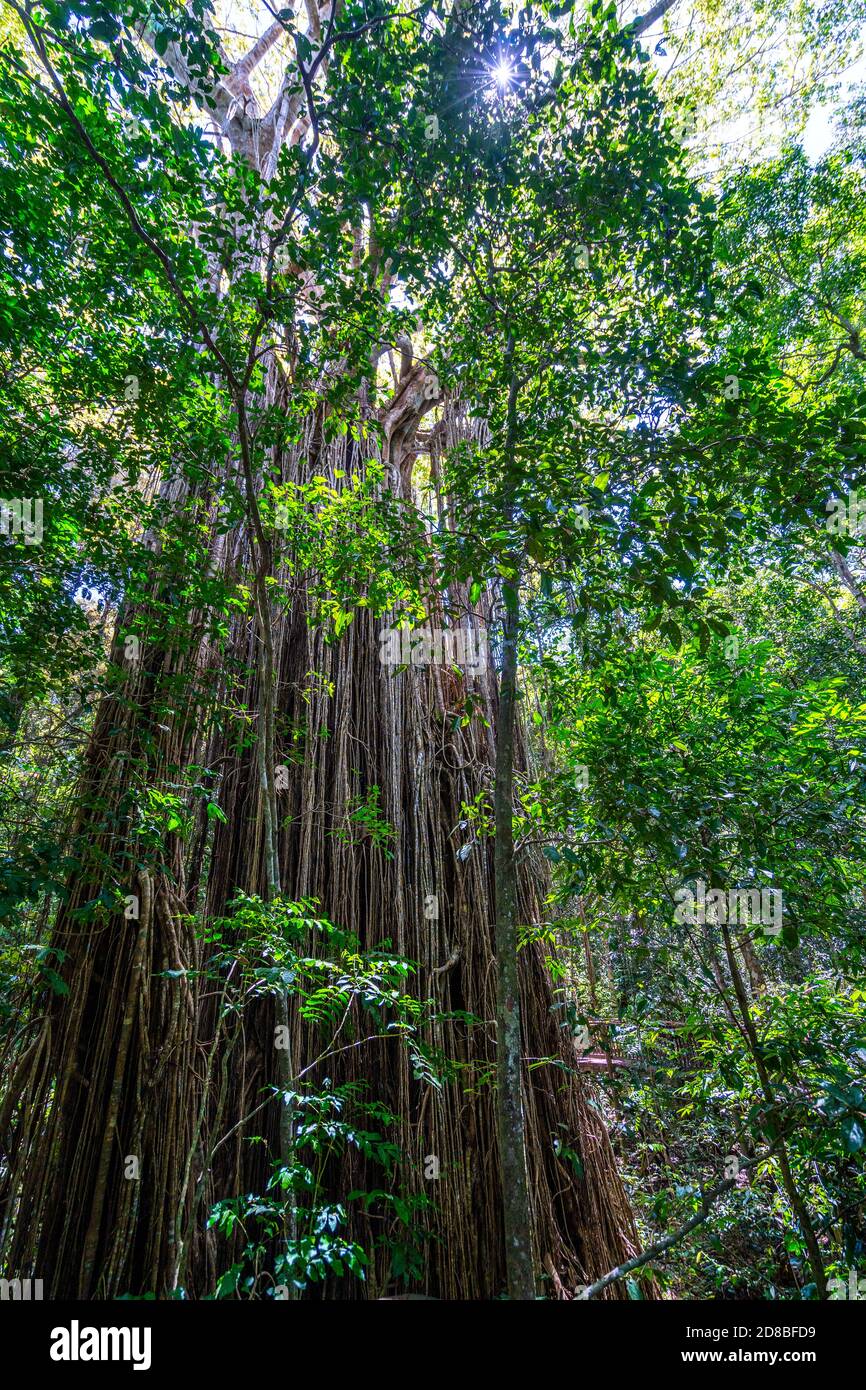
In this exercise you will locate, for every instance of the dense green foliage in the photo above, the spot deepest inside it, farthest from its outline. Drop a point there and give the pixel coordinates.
(633, 454)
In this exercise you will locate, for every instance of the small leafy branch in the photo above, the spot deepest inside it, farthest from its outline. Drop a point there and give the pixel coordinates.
(366, 822)
(295, 1233)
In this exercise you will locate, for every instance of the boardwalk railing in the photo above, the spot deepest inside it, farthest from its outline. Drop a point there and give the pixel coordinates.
(647, 1046)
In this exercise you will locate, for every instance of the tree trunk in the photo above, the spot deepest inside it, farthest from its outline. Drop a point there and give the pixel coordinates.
(512, 1134)
(798, 1206)
(366, 727)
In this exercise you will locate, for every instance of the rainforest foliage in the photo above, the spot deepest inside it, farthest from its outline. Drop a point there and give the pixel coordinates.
(432, 649)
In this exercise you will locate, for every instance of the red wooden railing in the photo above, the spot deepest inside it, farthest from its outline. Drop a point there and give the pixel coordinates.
(648, 1046)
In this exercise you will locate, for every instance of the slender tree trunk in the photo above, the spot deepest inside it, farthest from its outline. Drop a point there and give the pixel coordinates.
(798, 1206)
(512, 1129)
(509, 1069)
(757, 980)
(588, 958)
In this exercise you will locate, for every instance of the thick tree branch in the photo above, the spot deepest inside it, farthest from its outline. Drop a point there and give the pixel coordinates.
(840, 565)
(658, 11)
(237, 81)
(852, 635)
